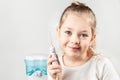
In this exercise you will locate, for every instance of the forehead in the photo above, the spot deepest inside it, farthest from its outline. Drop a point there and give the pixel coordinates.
(76, 22)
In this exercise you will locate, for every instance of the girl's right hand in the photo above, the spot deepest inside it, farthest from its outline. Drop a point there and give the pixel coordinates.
(54, 69)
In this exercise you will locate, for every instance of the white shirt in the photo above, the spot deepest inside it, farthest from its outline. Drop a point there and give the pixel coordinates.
(97, 68)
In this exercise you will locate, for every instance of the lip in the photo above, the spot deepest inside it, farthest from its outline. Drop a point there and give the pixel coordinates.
(74, 48)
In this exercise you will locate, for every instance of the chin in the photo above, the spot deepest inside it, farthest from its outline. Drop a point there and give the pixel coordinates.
(72, 54)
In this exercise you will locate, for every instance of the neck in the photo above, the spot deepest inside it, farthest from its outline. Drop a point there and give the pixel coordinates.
(77, 60)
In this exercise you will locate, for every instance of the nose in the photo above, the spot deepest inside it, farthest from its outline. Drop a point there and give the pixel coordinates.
(75, 39)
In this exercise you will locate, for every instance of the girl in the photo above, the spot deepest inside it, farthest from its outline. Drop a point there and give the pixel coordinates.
(76, 34)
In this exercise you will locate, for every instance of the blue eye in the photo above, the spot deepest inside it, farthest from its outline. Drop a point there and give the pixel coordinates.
(68, 32)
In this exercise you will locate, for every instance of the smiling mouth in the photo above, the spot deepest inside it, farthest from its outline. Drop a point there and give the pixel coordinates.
(74, 48)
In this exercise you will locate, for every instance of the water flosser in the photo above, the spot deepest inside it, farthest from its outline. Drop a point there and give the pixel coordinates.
(53, 53)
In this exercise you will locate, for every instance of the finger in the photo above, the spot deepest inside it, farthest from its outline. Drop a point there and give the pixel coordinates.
(50, 60)
(52, 67)
(49, 56)
(55, 71)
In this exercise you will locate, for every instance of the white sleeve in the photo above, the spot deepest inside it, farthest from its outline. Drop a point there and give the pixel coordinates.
(109, 72)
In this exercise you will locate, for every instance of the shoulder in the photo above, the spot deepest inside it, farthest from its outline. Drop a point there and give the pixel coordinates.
(105, 68)
(101, 59)
(102, 62)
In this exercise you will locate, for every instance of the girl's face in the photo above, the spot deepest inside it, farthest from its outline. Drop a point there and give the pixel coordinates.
(75, 36)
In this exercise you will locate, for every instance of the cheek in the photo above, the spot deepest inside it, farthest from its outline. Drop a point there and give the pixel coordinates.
(85, 43)
(63, 40)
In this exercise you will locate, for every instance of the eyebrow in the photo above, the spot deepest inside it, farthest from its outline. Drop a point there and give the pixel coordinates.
(68, 28)
(71, 29)
(84, 31)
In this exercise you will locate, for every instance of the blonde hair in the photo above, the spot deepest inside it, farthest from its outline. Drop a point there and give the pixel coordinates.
(80, 9)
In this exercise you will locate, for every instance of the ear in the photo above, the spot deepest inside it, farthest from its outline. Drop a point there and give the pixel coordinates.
(57, 30)
(93, 38)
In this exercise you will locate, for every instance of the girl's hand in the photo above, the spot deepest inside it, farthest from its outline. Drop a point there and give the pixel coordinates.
(55, 69)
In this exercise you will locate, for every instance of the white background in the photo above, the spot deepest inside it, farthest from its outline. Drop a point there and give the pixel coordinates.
(25, 25)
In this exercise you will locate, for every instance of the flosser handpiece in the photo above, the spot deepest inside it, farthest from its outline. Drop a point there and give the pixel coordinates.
(53, 52)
